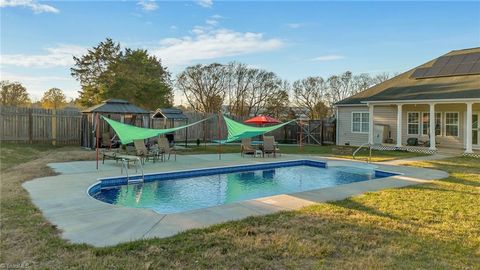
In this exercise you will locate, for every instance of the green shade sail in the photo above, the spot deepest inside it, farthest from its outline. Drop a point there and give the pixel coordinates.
(128, 133)
(238, 131)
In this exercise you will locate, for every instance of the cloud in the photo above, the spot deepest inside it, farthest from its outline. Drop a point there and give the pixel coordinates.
(31, 4)
(211, 22)
(148, 5)
(56, 56)
(330, 57)
(204, 3)
(207, 44)
(295, 25)
(217, 17)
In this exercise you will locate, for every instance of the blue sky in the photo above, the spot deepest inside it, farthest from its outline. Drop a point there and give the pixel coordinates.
(293, 39)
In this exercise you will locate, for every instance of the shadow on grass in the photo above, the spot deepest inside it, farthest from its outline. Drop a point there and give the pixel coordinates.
(456, 180)
(425, 187)
(296, 239)
(353, 205)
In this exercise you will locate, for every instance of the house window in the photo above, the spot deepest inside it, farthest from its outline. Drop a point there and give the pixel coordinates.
(360, 122)
(451, 124)
(426, 123)
(413, 123)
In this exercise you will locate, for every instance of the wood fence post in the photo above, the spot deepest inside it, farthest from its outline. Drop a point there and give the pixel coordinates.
(54, 127)
(30, 125)
(321, 132)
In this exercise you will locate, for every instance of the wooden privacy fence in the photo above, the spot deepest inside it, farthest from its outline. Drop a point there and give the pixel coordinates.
(317, 132)
(314, 131)
(36, 125)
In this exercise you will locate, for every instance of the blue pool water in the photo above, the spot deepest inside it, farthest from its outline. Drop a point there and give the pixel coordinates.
(182, 194)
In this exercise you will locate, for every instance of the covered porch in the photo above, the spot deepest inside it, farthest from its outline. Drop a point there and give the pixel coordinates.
(407, 125)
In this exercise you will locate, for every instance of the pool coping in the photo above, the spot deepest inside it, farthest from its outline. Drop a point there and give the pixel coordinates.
(83, 219)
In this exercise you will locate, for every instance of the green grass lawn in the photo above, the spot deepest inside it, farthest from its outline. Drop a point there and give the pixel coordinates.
(430, 226)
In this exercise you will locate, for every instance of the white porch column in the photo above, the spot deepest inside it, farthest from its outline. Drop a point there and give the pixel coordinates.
(370, 123)
(399, 125)
(468, 141)
(432, 126)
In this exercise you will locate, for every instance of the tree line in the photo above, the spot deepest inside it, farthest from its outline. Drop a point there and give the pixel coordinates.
(108, 71)
(249, 91)
(15, 94)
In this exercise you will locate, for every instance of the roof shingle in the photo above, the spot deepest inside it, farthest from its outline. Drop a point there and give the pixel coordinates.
(403, 87)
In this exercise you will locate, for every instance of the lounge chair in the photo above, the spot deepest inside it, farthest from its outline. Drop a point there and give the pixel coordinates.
(269, 146)
(246, 147)
(143, 152)
(164, 146)
(108, 154)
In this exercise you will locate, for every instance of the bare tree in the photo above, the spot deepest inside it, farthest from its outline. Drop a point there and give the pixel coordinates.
(379, 78)
(340, 87)
(239, 87)
(277, 105)
(204, 86)
(312, 93)
(361, 83)
(249, 89)
(265, 85)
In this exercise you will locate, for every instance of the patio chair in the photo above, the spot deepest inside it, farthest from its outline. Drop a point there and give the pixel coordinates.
(269, 146)
(143, 152)
(165, 147)
(246, 147)
(106, 140)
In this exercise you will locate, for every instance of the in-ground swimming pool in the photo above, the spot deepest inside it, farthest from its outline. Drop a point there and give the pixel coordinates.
(187, 190)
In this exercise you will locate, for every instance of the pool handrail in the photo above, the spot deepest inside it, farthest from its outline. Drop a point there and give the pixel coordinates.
(369, 159)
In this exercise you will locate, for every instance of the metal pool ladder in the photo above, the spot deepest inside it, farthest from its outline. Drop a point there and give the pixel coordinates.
(369, 159)
(137, 163)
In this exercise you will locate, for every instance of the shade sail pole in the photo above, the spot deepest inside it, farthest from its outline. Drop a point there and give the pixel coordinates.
(97, 131)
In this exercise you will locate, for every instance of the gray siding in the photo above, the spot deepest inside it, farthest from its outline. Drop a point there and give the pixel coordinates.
(387, 115)
(344, 126)
(442, 140)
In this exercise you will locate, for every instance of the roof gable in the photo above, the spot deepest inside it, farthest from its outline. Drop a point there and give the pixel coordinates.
(408, 87)
(118, 106)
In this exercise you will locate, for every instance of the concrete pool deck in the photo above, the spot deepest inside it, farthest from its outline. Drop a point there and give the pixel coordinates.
(64, 201)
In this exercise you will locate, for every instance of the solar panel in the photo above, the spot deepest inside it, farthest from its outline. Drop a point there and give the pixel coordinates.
(464, 68)
(471, 58)
(441, 61)
(456, 59)
(433, 71)
(476, 68)
(448, 69)
(419, 72)
(455, 65)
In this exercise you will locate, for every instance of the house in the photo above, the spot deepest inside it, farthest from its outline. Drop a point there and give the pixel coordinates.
(397, 112)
